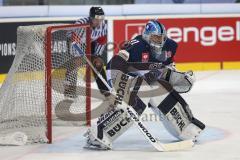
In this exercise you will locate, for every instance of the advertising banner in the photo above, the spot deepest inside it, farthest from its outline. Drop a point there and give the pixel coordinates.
(200, 39)
(8, 41)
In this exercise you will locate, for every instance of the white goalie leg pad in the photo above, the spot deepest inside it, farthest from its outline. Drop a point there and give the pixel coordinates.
(191, 131)
(114, 125)
(107, 128)
(111, 125)
(176, 115)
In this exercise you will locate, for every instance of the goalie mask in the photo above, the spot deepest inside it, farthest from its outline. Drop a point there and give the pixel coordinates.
(155, 35)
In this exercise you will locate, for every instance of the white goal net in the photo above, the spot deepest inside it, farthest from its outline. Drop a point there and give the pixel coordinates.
(47, 84)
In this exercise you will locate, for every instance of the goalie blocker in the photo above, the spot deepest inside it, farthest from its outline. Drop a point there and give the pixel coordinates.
(166, 103)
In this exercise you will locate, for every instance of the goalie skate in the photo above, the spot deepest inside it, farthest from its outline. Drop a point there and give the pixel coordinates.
(93, 144)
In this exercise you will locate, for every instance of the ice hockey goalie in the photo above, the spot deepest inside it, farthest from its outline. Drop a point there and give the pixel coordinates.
(165, 102)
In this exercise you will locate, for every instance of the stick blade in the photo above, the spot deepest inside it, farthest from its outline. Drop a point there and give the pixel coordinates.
(176, 146)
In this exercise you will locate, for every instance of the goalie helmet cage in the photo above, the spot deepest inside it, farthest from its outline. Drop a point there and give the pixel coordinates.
(32, 96)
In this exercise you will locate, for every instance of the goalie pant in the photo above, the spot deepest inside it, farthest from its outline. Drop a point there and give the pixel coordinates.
(165, 102)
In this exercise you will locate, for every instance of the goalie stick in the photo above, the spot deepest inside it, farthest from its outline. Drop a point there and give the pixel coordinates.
(174, 146)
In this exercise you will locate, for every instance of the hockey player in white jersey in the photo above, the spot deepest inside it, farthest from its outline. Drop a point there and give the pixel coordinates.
(98, 43)
(166, 102)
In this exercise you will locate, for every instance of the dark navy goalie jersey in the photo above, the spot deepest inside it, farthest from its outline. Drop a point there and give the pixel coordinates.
(139, 51)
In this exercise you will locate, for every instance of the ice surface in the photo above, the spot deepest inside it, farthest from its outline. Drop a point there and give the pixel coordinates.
(215, 100)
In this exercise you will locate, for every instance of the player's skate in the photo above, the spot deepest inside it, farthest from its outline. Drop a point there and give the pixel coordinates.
(93, 143)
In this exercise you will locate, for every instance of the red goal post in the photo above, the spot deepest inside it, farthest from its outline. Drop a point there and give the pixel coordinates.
(48, 72)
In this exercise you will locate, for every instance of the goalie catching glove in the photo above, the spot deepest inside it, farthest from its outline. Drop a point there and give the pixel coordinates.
(182, 82)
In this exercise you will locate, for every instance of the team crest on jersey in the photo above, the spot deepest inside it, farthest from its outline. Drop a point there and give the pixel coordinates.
(145, 57)
(168, 54)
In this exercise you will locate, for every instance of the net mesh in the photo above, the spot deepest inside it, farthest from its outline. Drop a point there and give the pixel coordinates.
(22, 95)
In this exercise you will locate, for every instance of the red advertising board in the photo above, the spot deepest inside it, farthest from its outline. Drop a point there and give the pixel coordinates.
(200, 39)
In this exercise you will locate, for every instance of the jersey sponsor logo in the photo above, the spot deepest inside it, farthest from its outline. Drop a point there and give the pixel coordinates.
(168, 54)
(177, 116)
(155, 66)
(145, 57)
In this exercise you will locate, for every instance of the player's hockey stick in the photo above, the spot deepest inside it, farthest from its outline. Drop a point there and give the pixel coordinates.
(187, 144)
(75, 45)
